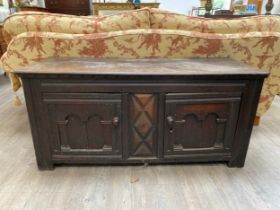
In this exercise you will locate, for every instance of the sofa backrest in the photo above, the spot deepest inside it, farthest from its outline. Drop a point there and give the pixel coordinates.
(136, 19)
(50, 22)
(161, 19)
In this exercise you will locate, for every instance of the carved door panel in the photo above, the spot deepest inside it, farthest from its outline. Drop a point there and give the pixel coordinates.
(199, 125)
(90, 125)
(142, 127)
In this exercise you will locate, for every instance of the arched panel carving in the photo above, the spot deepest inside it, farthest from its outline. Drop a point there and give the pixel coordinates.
(75, 130)
(199, 126)
(90, 128)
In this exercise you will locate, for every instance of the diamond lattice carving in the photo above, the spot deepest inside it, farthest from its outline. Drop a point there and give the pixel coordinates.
(143, 117)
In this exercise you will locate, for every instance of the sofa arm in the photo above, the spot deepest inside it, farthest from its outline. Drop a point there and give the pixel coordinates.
(262, 50)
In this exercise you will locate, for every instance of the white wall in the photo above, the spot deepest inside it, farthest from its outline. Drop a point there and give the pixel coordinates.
(41, 3)
(276, 8)
(179, 6)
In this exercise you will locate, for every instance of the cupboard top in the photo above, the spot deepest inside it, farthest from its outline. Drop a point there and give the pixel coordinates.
(141, 67)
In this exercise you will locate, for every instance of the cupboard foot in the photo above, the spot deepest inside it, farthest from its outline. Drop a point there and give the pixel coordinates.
(236, 164)
(46, 167)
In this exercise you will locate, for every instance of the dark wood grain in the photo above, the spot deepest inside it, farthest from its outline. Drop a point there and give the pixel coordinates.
(141, 111)
(72, 7)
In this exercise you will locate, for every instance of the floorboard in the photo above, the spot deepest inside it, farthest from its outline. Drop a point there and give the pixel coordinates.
(168, 187)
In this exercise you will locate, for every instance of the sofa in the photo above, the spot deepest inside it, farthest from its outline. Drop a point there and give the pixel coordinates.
(145, 33)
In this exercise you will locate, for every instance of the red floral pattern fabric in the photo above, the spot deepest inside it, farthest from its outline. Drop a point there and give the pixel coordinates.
(253, 40)
(51, 22)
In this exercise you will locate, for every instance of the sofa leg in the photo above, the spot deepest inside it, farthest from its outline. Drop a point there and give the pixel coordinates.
(257, 121)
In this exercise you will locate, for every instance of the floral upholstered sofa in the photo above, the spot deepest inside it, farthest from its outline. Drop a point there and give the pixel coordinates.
(145, 33)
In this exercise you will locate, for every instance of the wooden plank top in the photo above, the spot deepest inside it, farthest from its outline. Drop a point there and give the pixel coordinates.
(89, 66)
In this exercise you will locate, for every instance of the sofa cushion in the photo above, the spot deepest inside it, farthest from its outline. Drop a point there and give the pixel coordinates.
(51, 22)
(166, 20)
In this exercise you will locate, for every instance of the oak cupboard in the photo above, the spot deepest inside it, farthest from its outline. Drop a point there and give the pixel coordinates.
(86, 111)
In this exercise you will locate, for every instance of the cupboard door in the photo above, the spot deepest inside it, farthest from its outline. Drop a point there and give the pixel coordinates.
(199, 125)
(86, 124)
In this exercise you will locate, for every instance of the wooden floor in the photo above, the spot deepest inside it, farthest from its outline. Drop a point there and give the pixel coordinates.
(175, 187)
